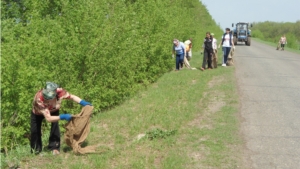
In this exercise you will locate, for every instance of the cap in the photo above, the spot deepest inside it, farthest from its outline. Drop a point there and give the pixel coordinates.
(49, 92)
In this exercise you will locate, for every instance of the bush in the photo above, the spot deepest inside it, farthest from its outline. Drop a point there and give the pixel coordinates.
(257, 34)
(101, 50)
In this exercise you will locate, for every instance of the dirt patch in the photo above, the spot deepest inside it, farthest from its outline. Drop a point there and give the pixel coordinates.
(157, 161)
(194, 81)
(214, 105)
(212, 102)
(215, 81)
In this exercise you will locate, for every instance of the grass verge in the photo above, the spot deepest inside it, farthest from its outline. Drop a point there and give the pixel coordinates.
(187, 119)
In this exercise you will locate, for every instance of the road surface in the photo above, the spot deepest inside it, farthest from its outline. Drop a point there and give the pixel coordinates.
(269, 89)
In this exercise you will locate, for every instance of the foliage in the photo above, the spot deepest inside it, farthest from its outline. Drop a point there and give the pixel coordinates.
(200, 106)
(272, 31)
(101, 50)
(159, 134)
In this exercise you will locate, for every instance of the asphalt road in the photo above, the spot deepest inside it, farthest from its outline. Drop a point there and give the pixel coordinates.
(269, 88)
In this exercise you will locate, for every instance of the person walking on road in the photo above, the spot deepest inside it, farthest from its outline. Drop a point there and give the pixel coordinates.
(208, 51)
(227, 43)
(179, 51)
(46, 105)
(283, 41)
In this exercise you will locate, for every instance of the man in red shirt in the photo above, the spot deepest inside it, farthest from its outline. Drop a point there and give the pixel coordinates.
(46, 104)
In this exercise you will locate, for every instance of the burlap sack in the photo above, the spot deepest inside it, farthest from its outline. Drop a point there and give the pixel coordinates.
(230, 61)
(78, 129)
(278, 46)
(215, 59)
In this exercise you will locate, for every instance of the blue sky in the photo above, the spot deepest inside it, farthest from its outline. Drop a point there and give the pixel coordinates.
(226, 12)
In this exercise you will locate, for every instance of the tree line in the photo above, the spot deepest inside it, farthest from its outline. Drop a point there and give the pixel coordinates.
(272, 31)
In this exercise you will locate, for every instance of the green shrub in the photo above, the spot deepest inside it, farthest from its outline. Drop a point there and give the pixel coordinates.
(257, 34)
(103, 51)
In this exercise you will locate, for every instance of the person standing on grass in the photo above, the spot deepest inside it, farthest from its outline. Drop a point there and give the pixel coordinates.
(227, 43)
(189, 50)
(283, 41)
(46, 104)
(179, 51)
(215, 51)
(187, 57)
(208, 51)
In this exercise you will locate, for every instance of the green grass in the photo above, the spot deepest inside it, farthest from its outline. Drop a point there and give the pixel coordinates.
(275, 45)
(190, 119)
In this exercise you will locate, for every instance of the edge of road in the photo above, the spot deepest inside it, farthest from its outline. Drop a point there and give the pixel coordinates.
(246, 162)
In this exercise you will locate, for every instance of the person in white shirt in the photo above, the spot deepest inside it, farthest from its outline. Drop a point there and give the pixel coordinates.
(215, 52)
(227, 43)
(283, 41)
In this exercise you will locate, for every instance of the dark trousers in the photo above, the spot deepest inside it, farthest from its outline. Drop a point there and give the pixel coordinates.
(179, 61)
(226, 51)
(282, 46)
(36, 133)
(207, 58)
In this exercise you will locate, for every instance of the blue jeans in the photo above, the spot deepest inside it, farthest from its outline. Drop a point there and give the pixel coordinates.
(179, 60)
(226, 51)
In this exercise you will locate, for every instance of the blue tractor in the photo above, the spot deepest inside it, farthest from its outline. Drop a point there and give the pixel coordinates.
(242, 33)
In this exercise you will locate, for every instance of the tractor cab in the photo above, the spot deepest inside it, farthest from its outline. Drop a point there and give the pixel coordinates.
(242, 33)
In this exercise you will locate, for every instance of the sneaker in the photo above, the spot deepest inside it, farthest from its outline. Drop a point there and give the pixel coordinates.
(224, 64)
(202, 69)
(55, 152)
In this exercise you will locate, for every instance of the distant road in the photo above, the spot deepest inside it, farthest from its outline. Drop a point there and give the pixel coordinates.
(269, 88)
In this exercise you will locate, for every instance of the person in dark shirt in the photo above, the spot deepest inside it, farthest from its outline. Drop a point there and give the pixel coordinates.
(208, 51)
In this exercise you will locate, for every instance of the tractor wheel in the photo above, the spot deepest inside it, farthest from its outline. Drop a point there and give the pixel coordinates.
(249, 41)
(234, 40)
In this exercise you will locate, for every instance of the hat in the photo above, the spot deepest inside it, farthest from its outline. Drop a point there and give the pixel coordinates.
(49, 92)
(212, 34)
(187, 42)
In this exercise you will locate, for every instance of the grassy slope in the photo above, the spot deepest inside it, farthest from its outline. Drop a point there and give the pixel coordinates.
(195, 111)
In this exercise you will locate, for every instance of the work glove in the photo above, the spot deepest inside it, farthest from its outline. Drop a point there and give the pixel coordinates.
(84, 103)
(66, 117)
(172, 55)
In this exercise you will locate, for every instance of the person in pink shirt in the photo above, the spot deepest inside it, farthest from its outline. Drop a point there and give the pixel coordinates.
(283, 41)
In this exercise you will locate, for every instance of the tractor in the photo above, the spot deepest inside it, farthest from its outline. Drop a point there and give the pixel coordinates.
(242, 33)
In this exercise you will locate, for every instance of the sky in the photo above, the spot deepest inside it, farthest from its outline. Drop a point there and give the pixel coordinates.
(226, 12)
